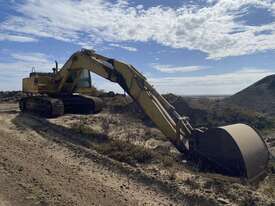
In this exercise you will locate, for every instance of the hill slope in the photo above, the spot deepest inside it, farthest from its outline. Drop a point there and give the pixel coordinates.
(258, 97)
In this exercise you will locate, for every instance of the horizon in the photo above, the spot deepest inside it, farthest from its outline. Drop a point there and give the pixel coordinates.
(189, 95)
(190, 48)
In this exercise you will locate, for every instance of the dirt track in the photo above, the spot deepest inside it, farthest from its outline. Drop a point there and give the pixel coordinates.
(38, 170)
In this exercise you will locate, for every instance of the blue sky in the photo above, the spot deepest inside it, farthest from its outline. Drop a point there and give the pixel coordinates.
(185, 47)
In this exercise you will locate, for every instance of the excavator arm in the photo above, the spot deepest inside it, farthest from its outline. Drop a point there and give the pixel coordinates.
(236, 150)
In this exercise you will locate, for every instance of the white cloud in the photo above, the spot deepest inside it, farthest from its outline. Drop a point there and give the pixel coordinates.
(16, 38)
(212, 29)
(173, 69)
(132, 49)
(228, 83)
(21, 62)
(31, 58)
(215, 84)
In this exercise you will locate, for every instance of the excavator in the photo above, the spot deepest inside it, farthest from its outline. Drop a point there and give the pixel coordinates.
(235, 150)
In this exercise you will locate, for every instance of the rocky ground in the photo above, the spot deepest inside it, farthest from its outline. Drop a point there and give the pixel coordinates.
(116, 157)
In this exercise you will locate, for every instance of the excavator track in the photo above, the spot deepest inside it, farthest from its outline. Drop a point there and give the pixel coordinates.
(42, 106)
(53, 107)
(81, 104)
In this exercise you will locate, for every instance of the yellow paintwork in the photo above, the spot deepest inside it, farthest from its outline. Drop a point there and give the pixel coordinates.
(39, 84)
(132, 81)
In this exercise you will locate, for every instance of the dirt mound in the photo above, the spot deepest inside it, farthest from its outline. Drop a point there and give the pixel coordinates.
(258, 97)
(124, 104)
(182, 105)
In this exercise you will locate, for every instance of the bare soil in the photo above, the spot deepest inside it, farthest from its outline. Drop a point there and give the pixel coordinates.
(60, 162)
(38, 170)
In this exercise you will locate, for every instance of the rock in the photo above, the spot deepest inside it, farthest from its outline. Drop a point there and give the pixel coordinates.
(223, 201)
(158, 145)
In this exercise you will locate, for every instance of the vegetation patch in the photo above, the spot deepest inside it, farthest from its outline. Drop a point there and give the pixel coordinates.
(116, 149)
(125, 152)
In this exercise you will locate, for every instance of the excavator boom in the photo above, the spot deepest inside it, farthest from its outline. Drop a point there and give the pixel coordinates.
(163, 114)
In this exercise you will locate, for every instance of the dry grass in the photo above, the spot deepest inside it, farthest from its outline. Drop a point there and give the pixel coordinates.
(122, 151)
(125, 152)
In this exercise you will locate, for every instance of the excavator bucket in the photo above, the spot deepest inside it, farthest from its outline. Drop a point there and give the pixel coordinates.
(235, 150)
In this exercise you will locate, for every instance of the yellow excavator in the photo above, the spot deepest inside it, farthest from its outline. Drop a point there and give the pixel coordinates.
(235, 150)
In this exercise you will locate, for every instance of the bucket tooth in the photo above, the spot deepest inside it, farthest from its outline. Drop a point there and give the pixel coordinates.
(235, 150)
